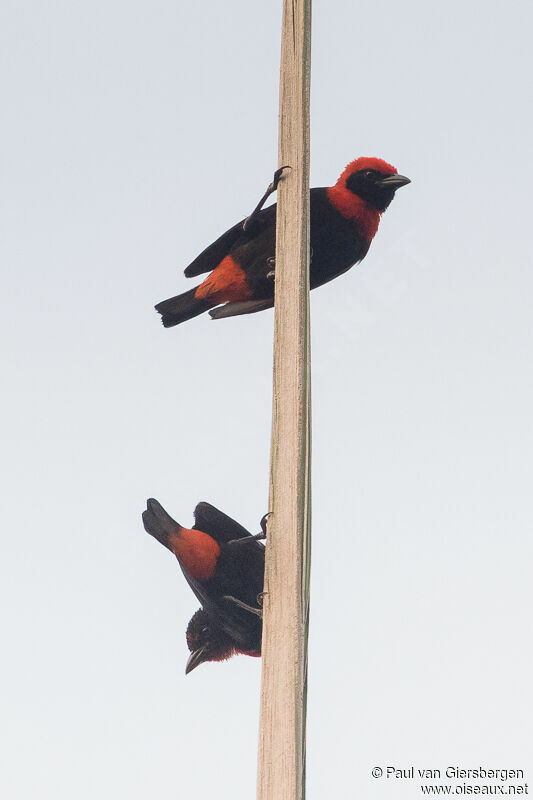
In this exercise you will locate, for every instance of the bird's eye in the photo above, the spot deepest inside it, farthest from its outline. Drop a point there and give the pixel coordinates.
(368, 173)
(205, 630)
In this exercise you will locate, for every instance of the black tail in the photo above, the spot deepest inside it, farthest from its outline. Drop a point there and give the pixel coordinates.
(182, 307)
(158, 523)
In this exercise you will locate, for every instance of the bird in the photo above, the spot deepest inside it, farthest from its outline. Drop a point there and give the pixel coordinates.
(224, 566)
(241, 263)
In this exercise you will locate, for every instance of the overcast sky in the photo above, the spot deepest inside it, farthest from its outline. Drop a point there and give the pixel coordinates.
(133, 133)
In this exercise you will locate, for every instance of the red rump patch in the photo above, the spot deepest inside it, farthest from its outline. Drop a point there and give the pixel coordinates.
(196, 551)
(227, 283)
(349, 205)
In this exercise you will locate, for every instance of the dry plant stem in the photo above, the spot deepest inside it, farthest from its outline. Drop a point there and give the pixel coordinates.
(281, 769)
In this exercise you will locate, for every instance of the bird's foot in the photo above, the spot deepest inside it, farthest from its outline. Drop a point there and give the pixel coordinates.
(257, 611)
(248, 222)
(264, 521)
(276, 179)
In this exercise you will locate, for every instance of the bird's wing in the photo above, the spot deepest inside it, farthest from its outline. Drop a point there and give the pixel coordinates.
(234, 621)
(240, 624)
(222, 528)
(199, 590)
(241, 565)
(213, 255)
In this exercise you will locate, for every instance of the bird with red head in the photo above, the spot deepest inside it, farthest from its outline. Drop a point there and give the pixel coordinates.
(241, 263)
(224, 566)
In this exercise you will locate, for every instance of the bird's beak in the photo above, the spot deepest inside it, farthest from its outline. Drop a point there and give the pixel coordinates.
(394, 181)
(196, 658)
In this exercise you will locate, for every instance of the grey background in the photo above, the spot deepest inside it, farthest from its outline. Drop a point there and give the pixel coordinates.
(134, 133)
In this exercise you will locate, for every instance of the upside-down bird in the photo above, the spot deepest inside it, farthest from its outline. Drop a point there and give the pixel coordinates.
(241, 262)
(224, 566)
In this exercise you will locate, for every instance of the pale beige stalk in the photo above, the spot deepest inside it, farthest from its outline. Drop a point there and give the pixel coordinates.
(281, 769)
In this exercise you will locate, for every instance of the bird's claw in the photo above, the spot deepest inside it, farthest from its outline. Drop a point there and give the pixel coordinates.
(271, 262)
(257, 611)
(264, 520)
(277, 177)
(271, 188)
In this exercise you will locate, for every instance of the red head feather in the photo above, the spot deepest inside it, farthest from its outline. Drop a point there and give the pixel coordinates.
(366, 163)
(351, 206)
